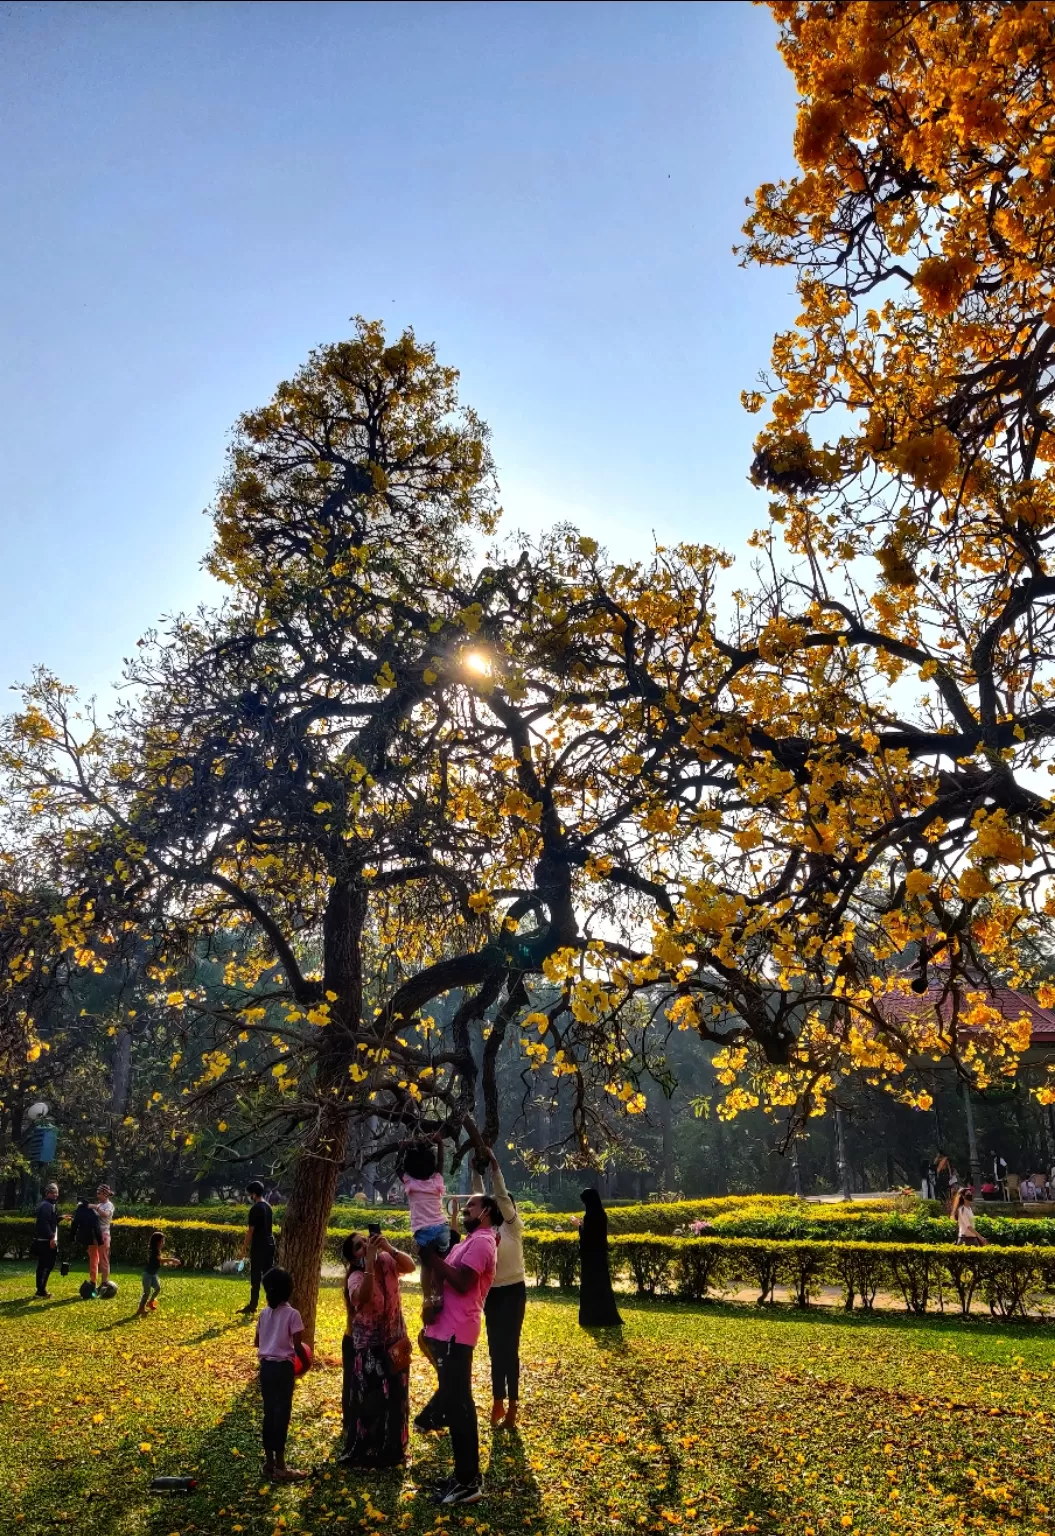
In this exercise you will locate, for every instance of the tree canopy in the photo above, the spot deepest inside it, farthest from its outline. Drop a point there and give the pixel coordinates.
(406, 797)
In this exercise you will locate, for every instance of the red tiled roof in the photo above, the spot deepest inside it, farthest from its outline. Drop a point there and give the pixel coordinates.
(1010, 1005)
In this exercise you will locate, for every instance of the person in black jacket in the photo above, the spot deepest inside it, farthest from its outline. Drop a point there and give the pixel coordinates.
(259, 1243)
(85, 1229)
(596, 1301)
(46, 1238)
(85, 1226)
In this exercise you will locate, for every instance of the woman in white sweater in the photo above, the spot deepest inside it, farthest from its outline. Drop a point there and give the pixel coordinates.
(505, 1304)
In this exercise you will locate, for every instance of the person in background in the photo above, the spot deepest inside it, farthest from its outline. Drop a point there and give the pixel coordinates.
(259, 1243)
(151, 1284)
(46, 1239)
(279, 1341)
(86, 1230)
(597, 1307)
(465, 1278)
(99, 1253)
(1028, 1190)
(963, 1211)
(506, 1302)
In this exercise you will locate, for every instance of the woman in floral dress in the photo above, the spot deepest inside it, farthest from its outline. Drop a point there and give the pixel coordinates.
(376, 1396)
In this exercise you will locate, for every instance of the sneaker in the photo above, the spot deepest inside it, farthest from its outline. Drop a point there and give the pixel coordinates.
(464, 1493)
(442, 1489)
(429, 1425)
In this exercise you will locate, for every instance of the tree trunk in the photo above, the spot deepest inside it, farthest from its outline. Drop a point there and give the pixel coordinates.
(666, 1120)
(840, 1144)
(122, 1074)
(307, 1212)
(721, 1158)
(319, 1163)
(120, 1087)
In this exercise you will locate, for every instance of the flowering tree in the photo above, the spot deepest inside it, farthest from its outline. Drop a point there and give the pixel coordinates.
(551, 789)
(386, 773)
(909, 452)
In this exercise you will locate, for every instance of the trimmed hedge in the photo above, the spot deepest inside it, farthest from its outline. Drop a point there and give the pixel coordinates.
(825, 1224)
(1009, 1279)
(216, 1214)
(197, 1244)
(664, 1218)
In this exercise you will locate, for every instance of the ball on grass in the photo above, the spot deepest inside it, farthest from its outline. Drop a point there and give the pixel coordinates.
(108, 1289)
(298, 1365)
(87, 1290)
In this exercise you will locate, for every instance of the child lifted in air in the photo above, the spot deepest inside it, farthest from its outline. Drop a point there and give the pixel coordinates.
(421, 1170)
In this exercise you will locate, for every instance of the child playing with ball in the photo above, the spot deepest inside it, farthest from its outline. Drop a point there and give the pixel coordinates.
(280, 1345)
(151, 1283)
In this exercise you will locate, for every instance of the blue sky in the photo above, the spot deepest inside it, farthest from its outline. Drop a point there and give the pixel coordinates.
(196, 194)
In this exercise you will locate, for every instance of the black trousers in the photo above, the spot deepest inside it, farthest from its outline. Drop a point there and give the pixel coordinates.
(260, 1261)
(276, 1389)
(504, 1316)
(453, 1405)
(45, 1264)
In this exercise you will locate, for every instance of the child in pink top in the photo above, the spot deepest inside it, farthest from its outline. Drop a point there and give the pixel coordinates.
(279, 1341)
(421, 1170)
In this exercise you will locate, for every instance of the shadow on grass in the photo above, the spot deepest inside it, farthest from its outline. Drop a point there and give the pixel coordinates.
(19, 1306)
(120, 1322)
(405, 1494)
(949, 1322)
(217, 1330)
(611, 1340)
(226, 1469)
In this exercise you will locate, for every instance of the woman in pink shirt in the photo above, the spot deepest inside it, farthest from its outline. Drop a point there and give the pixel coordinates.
(375, 1399)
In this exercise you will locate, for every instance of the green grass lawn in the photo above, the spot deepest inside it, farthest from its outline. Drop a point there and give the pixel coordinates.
(698, 1419)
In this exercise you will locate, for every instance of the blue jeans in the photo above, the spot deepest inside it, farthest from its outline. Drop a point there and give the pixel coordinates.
(150, 1283)
(438, 1237)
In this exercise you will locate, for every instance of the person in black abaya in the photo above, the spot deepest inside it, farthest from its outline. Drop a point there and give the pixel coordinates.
(596, 1301)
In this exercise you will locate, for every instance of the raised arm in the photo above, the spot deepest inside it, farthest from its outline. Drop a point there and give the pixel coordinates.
(506, 1203)
(403, 1262)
